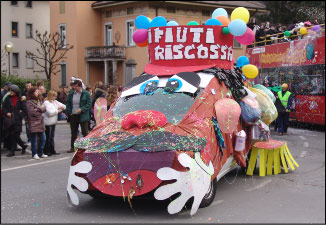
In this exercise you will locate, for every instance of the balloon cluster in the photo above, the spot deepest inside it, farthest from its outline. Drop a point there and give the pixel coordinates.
(303, 30)
(236, 25)
(249, 70)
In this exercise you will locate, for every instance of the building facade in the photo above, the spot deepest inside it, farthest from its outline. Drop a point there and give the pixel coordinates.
(101, 32)
(19, 20)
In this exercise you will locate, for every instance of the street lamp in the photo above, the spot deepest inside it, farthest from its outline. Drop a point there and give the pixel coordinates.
(8, 48)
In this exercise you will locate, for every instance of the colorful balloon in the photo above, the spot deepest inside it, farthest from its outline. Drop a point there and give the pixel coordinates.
(287, 33)
(240, 13)
(213, 22)
(250, 71)
(242, 61)
(158, 21)
(224, 20)
(316, 28)
(140, 36)
(219, 12)
(142, 22)
(225, 30)
(172, 23)
(303, 30)
(237, 27)
(247, 38)
(144, 44)
(192, 23)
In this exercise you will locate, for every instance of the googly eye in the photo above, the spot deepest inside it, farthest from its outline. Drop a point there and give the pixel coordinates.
(148, 87)
(173, 85)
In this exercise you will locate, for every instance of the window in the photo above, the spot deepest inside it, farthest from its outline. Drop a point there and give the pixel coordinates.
(206, 13)
(28, 4)
(170, 10)
(14, 3)
(63, 72)
(29, 63)
(62, 33)
(130, 32)
(62, 7)
(236, 44)
(15, 60)
(29, 30)
(108, 34)
(14, 29)
(108, 14)
(130, 10)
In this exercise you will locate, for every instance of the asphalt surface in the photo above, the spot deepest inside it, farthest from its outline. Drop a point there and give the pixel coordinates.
(33, 191)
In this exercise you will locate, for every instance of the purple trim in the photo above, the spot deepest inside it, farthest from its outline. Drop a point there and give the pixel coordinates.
(126, 161)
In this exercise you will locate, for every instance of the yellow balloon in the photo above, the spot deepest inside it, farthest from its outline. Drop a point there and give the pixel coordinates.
(150, 20)
(303, 30)
(240, 13)
(250, 71)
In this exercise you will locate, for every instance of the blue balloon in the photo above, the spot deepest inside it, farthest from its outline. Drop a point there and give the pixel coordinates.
(242, 61)
(237, 27)
(158, 21)
(213, 22)
(172, 23)
(142, 22)
(219, 12)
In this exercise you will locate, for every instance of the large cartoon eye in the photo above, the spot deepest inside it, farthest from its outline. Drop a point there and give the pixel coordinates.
(173, 85)
(148, 87)
(144, 84)
(183, 82)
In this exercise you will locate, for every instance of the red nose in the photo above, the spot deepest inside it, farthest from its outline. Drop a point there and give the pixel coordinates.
(143, 118)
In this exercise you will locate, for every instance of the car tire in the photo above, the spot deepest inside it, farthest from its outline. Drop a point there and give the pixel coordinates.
(98, 195)
(210, 195)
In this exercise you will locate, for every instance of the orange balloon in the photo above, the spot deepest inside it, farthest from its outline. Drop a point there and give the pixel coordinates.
(224, 20)
(144, 44)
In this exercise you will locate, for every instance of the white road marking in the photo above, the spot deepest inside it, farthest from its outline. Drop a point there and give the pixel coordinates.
(263, 184)
(303, 154)
(35, 164)
(302, 137)
(306, 144)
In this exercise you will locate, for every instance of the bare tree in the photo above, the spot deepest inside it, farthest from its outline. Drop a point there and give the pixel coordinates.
(51, 51)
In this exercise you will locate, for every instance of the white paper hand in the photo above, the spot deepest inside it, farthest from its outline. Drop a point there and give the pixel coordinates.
(194, 182)
(78, 182)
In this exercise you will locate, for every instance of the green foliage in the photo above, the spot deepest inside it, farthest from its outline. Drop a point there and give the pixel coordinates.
(285, 12)
(20, 81)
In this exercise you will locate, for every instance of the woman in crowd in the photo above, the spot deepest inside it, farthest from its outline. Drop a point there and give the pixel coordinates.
(14, 111)
(36, 122)
(53, 107)
(113, 93)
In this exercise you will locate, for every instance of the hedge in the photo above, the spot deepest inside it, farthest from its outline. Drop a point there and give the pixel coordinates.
(21, 81)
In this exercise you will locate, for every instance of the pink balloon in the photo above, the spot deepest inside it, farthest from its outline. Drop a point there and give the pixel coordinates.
(140, 36)
(247, 38)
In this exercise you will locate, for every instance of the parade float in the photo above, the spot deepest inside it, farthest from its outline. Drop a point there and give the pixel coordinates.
(185, 122)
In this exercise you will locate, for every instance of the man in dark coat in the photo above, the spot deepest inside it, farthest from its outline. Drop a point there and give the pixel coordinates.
(14, 110)
(78, 106)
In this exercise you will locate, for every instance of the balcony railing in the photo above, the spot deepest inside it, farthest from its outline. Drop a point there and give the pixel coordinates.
(102, 52)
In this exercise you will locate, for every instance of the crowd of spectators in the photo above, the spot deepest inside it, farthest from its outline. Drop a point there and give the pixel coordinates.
(41, 110)
(266, 32)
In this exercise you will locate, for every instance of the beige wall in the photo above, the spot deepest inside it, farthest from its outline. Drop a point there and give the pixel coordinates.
(82, 30)
(85, 28)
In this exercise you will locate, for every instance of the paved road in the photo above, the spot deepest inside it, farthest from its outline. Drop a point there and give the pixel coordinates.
(34, 191)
